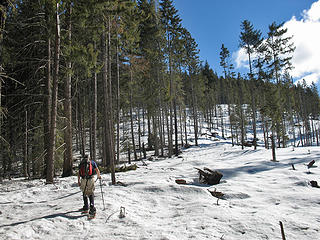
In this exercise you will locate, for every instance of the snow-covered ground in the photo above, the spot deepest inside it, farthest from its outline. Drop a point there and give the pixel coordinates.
(258, 194)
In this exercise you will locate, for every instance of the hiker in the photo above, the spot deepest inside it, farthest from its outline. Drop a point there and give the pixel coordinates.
(87, 169)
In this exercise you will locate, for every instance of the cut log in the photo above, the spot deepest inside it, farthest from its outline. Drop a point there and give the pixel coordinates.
(209, 176)
(181, 181)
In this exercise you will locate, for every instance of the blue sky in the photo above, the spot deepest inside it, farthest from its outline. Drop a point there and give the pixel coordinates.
(213, 22)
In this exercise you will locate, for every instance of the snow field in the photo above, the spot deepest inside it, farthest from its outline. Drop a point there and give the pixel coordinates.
(258, 194)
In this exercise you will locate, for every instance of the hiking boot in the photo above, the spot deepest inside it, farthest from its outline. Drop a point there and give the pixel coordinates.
(84, 209)
(92, 210)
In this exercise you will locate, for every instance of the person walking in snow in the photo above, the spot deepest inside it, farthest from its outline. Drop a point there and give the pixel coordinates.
(87, 169)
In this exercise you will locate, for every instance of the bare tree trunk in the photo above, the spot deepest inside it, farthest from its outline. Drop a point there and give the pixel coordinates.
(300, 133)
(175, 127)
(264, 132)
(317, 135)
(131, 118)
(47, 97)
(293, 130)
(150, 134)
(283, 126)
(143, 121)
(231, 126)
(185, 127)
(67, 165)
(26, 168)
(94, 112)
(160, 131)
(194, 112)
(81, 125)
(118, 100)
(181, 126)
(139, 131)
(3, 16)
(222, 123)
(313, 135)
(254, 119)
(77, 126)
(110, 111)
(47, 106)
(155, 134)
(168, 130)
(51, 152)
(108, 132)
(267, 133)
(273, 146)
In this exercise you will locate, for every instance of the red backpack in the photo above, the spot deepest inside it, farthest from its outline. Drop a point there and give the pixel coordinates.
(86, 169)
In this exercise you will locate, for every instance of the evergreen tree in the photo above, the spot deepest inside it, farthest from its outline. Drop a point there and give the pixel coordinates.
(279, 50)
(250, 40)
(171, 23)
(278, 57)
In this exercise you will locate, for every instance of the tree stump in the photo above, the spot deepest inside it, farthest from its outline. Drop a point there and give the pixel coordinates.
(310, 164)
(209, 176)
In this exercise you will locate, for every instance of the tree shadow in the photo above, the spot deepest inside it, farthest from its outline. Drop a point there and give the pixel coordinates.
(264, 166)
(63, 214)
(66, 196)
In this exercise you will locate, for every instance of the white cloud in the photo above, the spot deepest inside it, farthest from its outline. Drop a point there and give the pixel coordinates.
(241, 58)
(306, 38)
(309, 78)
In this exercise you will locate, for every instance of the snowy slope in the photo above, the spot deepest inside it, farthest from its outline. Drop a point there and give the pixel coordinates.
(258, 194)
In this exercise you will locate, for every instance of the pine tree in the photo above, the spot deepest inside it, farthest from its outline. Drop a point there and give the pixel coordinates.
(193, 68)
(171, 23)
(67, 166)
(53, 126)
(150, 39)
(250, 40)
(227, 69)
(278, 57)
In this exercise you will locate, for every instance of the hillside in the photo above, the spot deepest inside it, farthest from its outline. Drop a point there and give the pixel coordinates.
(258, 194)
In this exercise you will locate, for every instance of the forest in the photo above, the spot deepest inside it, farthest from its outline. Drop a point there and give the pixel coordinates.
(115, 78)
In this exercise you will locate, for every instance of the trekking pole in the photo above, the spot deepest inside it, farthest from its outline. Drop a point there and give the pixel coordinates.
(102, 195)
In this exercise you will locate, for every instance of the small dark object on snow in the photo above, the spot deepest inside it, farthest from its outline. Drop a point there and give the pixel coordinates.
(122, 212)
(293, 168)
(314, 184)
(310, 164)
(216, 194)
(181, 181)
(282, 231)
(209, 176)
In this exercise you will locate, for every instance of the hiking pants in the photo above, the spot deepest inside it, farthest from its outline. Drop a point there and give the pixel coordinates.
(87, 186)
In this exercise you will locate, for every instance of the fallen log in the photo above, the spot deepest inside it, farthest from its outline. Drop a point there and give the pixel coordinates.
(208, 176)
(314, 184)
